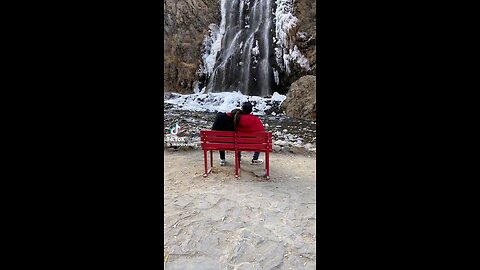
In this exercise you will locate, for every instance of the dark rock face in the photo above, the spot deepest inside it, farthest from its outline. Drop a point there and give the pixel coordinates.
(185, 26)
(301, 99)
(306, 35)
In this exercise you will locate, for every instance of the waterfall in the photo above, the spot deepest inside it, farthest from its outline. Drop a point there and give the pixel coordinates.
(244, 61)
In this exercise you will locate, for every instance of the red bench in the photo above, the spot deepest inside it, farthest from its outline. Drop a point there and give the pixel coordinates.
(212, 140)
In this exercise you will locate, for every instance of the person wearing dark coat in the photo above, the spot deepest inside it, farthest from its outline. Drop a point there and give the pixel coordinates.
(225, 122)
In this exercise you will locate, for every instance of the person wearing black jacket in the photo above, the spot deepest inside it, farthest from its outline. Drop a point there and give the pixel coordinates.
(225, 122)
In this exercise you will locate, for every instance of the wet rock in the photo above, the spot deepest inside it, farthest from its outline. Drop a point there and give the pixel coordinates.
(274, 109)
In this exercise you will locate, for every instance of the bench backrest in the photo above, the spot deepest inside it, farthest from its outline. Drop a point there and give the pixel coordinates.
(229, 140)
(258, 141)
(217, 140)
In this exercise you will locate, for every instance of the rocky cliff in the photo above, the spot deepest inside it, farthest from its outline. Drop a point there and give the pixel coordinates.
(304, 36)
(186, 23)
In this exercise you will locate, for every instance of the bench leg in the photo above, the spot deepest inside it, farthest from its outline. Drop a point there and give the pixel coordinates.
(205, 161)
(267, 164)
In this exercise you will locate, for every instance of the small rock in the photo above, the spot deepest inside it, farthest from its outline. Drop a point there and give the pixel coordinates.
(297, 150)
(298, 143)
(285, 130)
(277, 148)
(171, 149)
(308, 146)
(281, 143)
(260, 173)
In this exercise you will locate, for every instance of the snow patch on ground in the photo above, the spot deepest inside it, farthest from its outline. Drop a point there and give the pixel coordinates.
(222, 102)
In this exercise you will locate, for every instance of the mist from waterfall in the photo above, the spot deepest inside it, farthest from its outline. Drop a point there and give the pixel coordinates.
(244, 60)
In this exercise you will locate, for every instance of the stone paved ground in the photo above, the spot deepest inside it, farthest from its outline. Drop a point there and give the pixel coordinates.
(223, 223)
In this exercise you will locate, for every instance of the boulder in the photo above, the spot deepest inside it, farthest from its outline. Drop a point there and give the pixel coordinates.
(301, 99)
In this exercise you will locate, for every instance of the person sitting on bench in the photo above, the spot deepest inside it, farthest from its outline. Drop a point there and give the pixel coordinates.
(224, 122)
(247, 122)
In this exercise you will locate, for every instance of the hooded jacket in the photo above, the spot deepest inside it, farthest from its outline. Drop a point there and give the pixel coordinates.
(249, 123)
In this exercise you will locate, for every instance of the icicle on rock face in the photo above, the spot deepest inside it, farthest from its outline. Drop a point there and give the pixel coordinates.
(244, 62)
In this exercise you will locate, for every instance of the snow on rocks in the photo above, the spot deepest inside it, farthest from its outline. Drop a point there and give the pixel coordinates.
(222, 102)
(211, 47)
(280, 143)
(284, 22)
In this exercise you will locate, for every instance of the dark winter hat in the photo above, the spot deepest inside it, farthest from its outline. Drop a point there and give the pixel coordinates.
(247, 107)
